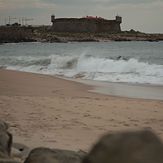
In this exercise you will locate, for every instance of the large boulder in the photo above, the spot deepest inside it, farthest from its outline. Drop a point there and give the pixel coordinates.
(5, 140)
(127, 147)
(46, 155)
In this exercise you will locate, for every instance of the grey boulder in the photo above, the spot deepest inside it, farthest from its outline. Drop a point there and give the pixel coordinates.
(46, 155)
(127, 147)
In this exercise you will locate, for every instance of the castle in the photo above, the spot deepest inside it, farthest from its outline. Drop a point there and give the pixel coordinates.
(86, 24)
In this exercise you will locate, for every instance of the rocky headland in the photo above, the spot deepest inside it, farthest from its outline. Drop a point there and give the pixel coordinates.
(10, 34)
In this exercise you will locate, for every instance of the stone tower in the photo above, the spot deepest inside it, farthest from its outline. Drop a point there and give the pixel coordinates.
(52, 18)
(118, 19)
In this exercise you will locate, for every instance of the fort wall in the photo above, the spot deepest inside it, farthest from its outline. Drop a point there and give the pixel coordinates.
(85, 25)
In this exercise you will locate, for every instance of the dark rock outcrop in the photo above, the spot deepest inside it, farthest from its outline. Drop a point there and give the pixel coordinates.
(127, 147)
(16, 34)
(46, 155)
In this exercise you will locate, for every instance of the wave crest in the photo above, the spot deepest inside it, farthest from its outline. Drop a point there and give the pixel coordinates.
(85, 66)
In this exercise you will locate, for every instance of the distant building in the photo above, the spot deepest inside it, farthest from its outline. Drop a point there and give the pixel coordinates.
(86, 24)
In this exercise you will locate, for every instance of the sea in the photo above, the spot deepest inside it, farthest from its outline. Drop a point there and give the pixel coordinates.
(120, 62)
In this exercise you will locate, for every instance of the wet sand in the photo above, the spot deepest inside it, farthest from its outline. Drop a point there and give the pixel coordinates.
(141, 91)
(53, 112)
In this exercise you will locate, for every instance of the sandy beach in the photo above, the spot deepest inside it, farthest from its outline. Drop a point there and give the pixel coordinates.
(52, 112)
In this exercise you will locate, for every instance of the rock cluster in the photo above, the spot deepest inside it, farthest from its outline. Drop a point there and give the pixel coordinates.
(124, 147)
(16, 34)
(37, 155)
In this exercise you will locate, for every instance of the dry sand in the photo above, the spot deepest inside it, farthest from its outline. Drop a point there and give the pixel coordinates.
(52, 112)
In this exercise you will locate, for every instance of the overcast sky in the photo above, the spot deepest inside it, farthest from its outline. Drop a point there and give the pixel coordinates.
(142, 15)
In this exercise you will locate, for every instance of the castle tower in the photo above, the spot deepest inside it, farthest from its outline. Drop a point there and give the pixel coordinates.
(118, 19)
(52, 18)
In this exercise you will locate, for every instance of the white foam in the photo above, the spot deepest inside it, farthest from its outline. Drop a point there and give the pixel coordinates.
(89, 67)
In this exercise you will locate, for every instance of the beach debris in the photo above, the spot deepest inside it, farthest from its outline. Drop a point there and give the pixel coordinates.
(127, 147)
(42, 155)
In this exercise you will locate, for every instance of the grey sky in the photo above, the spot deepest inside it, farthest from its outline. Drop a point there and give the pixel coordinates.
(142, 15)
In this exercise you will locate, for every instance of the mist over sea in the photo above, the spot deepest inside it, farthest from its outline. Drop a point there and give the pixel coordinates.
(131, 62)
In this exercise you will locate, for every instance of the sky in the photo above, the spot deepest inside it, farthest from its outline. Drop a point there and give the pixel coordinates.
(140, 15)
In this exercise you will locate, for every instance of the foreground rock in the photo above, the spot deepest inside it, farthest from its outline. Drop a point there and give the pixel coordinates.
(5, 143)
(127, 147)
(5, 140)
(46, 155)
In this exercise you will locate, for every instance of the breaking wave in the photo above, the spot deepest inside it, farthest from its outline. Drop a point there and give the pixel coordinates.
(117, 69)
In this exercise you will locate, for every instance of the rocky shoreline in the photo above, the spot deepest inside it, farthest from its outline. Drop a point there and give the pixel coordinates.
(130, 146)
(45, 34)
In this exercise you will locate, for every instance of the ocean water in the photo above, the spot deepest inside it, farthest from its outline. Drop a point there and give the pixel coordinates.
(130, 62)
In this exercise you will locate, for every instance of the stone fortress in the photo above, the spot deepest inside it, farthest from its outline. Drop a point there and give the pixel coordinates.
(86, 24)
